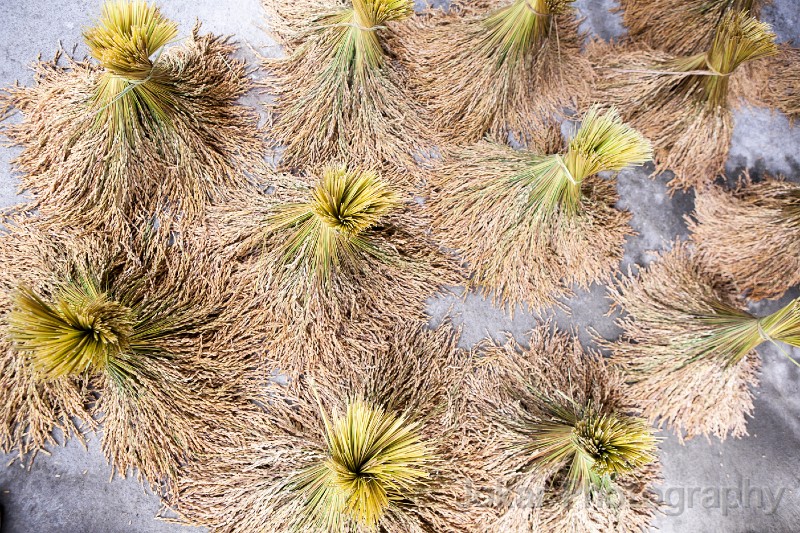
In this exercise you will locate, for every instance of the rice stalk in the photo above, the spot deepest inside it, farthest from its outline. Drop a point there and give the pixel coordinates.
(325, 260)
(396, 413)
(751, 236)
(95, 335)
(341, 95)
(150, 131)
(688, 348)
(329, 227)
(683, 104)
(563, 445)
(508, 71)
(375, 459)
(134, 88)
(684, 27)
(532, 225)
(781, 87)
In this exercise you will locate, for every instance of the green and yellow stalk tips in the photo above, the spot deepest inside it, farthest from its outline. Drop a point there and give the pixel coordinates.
(81, 331)
(739, 38)
(126, 38)
(515, 30)
(354, 45)
(602, 143)
(596, 446)
(374, 458)
(329, 227)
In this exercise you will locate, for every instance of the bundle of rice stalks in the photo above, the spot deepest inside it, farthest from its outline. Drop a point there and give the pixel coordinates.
(683, 104)
(343, 259)
(688, 347)
(91, 336)
(684, 27)
(372, 449)
(751, 236)
(530, 226)
(341, 95)
(146, 128)
(508, 71)
(564, 446)
(782, 88)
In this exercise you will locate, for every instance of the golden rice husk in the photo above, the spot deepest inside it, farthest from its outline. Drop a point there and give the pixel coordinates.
(782, 87)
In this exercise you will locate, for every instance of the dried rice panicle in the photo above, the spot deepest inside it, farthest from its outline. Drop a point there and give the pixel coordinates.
(683, 104)
(93, 336)
(782, 87)
(530, 226)
(341, 258)
(148, 127)
(688, 347)
(508, 71)
(751, 236)
(375, 448)
(342, 95)
(684, 27)
(564, 446)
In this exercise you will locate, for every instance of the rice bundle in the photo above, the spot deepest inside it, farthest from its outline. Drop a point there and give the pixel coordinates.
(148, 128)
(531, 225)
(782, 88)
(683, 104)
(344, 258)
(688, 347)
(751, 236)
(508, 71)
(367, 449)
(92, 336)
(341, 95)
(562, 442)
(683, 27)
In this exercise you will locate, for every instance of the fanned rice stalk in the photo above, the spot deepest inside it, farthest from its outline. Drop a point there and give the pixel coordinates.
(341, 95)
(320, 265)
(506, 71)
(688, 347)
(92, 336)
(782, 87)
(751, 236)
(369, 448)
(684, 104)
(563, 445)
(530, 226)
(153, 127)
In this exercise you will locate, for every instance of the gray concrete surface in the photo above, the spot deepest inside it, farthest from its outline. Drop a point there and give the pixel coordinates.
(69, 491)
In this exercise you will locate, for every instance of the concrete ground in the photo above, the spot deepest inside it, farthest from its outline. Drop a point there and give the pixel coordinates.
(737, 486)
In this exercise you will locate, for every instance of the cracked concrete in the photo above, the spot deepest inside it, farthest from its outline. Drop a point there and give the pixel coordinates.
(69, 490)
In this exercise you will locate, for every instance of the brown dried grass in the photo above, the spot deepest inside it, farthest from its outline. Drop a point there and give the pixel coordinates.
(688, 117)
(684, 27)
(512, 255)
(508, 386)
(415, 372)
(305, 316)
(480, 75)
(782, 88)
(689, 393)
(751, 236)
(342, 95)
(83, 175)
(177, 395)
